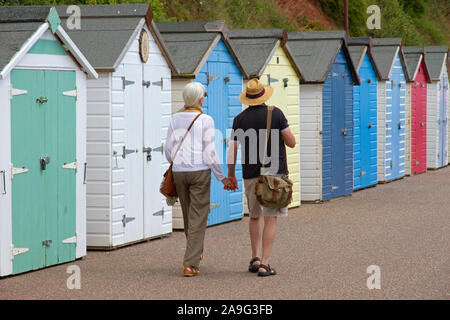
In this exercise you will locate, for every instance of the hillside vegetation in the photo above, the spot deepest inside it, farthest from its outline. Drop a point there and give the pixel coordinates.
(418, 22)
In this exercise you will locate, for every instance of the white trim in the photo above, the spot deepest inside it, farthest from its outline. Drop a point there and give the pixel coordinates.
(393, 62)
(129, 43)
(417, 68)
(24, 50)
(71, 46)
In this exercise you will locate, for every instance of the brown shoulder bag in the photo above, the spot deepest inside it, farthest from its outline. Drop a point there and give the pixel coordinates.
(273, 191)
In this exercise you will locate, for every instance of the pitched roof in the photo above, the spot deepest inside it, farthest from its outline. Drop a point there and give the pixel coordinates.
(20, 27)
(413, 58)
(383, 52)
(190, 42)
(255, 48)
(358, 48)
(434, 59)
(107, 31)
(314, 53)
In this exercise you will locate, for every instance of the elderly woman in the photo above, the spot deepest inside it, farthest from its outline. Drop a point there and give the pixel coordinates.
(192, 166)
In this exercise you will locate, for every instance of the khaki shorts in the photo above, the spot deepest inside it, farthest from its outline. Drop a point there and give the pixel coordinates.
(255, 209)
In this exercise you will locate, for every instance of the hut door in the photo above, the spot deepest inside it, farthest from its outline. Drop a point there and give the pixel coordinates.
(396, 128)
(338, 129)
(443, 85)
(153, 153)
(43, 149)
(419, 123)
(132, 217)
(217, 89)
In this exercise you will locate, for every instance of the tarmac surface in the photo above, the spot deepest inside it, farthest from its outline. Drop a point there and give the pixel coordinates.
(322, 251)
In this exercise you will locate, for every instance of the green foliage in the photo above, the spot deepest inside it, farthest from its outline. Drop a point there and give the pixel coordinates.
(356, 14)
(159, 11)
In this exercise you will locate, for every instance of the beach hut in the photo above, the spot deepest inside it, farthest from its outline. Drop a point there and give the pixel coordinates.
(202, 52)
(416, 110)
(129, 109)
(263, 55)
(364, 114)
(326, 113)
(437, 107)
(391, 108)
(43, 78)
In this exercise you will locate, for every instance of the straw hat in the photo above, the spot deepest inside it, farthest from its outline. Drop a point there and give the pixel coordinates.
(255, 93)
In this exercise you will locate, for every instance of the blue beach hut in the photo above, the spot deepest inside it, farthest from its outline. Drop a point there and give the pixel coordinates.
(364, 114)
(201, 52)
(326, 113)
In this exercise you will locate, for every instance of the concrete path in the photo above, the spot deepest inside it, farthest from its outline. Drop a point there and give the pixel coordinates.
(322, 251)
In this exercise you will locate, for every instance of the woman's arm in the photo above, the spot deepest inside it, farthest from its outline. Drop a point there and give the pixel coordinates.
(209, 149)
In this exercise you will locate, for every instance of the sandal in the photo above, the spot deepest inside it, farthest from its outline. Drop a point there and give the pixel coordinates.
(254, 267)
(269, 271)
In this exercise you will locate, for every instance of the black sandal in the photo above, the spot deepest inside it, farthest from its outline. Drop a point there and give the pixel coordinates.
(254, 267)
(269, 271)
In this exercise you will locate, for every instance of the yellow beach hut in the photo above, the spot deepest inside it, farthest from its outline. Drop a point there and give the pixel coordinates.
(264, 56)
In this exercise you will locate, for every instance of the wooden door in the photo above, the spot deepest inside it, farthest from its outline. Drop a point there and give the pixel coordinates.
(43, 133)
(132, 219)
(419, 123)
(154, 215)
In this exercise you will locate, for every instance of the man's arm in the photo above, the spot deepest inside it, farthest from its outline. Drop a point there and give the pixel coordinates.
(231, 162)
(288, 138)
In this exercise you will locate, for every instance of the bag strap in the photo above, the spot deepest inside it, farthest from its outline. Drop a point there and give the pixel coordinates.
(268, 127)
(184, 137)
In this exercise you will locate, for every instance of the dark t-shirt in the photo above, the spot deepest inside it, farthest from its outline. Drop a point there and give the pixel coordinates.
(249, 128)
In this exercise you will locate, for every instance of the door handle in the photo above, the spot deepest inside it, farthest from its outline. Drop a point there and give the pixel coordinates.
(41, 100)
(149, 151)
(344, 131)
(84, 176)
(227, 142)
(3, 173)
(369, 125)
(421, 123)
(44, 162)
(399, 125)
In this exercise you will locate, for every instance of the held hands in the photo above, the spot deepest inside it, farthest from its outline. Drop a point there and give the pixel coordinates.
(230, 183)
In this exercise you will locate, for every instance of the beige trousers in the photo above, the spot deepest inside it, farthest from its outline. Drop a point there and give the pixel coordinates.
(193, 190)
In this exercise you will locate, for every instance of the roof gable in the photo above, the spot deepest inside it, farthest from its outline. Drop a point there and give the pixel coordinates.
(413, 58)
(21, 27)
(315, 52)
(435, 57)
(384, 52)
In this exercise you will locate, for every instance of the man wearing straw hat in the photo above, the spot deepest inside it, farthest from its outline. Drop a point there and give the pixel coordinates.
(249, 130)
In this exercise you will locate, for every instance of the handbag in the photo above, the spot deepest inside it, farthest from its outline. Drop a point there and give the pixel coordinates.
(167, 187)
(273, 191)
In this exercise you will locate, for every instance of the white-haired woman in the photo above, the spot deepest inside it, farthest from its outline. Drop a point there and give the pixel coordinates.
(192, 166)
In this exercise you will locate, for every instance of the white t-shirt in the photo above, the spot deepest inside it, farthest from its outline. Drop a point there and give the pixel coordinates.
(198, 149)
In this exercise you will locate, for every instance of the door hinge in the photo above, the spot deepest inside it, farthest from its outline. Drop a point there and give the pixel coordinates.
(126, 152)
(15, 171)
(361, 173)
(72, 165)
(210, 78)
(270, 80)
(126, 83)
(285, 82)
(71, 93)
(159, 213)
(71, 240)
(392, 164)
(334, 188)
(16, 92)
(16, 251)
(214, 205)
(334, 74)
(126, 219)
(416, 162)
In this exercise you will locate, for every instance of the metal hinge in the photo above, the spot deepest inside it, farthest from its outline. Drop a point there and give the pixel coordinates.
(270, 80)
(213, 205)
(126, 152)
(71, 93)
(361, 173)
(126, 83)
(15, 171)
(159, 213)
(16, 92)
(71, 240)
(334, 74)
(16, 251)
(416, 162)
(210, 78)
(334, 188)
(126, 219)
(392, 164)
(72, 165)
